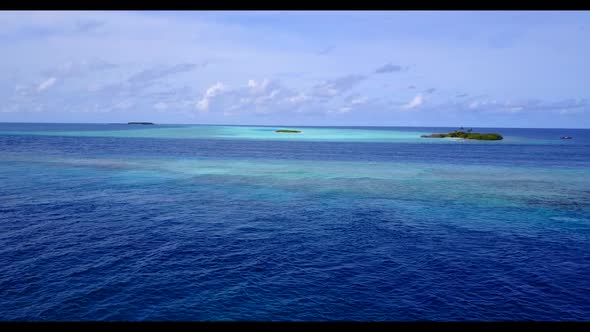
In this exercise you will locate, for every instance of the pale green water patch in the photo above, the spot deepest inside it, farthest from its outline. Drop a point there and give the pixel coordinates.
(316, 169)
(559, 188)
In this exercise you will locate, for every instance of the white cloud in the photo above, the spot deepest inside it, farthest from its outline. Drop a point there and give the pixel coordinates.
(210, 93)
(485, 104)
(298, 98)
(417, 101)
(46, 84)
(266, 97)
(259, 97)
(256, 87)
(358, 101)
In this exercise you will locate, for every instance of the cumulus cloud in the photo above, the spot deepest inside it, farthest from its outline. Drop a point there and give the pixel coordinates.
(298, 98)
(211, 92)
(415, 102)
(47, 84)
(265, 97)
(258, 87)
(268, 96)
(480, 104)
(388, 68)
(358, 101)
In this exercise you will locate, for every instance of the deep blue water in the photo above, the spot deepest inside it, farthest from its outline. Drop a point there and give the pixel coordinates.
(206, 229)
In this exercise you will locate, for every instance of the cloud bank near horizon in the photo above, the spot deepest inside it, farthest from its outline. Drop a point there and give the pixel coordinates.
(231, 68)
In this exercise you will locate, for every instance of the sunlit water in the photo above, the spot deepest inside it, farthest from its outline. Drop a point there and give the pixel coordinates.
(122, 222)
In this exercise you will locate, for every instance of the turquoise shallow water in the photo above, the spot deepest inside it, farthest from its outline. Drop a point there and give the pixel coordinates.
(116, 222)
(234, 132)
(321, 134)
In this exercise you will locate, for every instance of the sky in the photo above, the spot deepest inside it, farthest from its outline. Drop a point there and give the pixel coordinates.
(325, 68)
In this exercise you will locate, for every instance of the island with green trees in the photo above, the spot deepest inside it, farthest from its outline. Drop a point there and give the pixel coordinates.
(467, 135)
(140, 123)
(288, 131)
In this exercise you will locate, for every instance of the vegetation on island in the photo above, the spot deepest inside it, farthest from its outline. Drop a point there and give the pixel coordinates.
(468, 135)
(289, 131)
(140, 123)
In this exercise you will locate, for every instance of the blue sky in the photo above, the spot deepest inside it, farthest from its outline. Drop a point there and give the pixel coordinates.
(405, 68)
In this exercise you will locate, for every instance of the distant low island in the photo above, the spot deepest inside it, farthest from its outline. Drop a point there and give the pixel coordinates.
(288, 131)
(140, 123)
(467, 135)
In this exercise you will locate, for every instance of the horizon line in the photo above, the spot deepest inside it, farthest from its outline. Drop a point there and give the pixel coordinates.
(289, 125)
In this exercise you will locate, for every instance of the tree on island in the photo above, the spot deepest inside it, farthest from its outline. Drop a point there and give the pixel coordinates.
(467, 135)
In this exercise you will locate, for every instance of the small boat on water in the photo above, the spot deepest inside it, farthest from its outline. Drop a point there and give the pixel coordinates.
(566, 137)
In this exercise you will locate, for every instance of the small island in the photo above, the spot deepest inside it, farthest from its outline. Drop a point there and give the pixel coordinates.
(467, 135)
(140, 123)
(288, 131)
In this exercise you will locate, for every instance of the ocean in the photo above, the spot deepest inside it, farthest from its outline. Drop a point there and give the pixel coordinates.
(117, 222)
